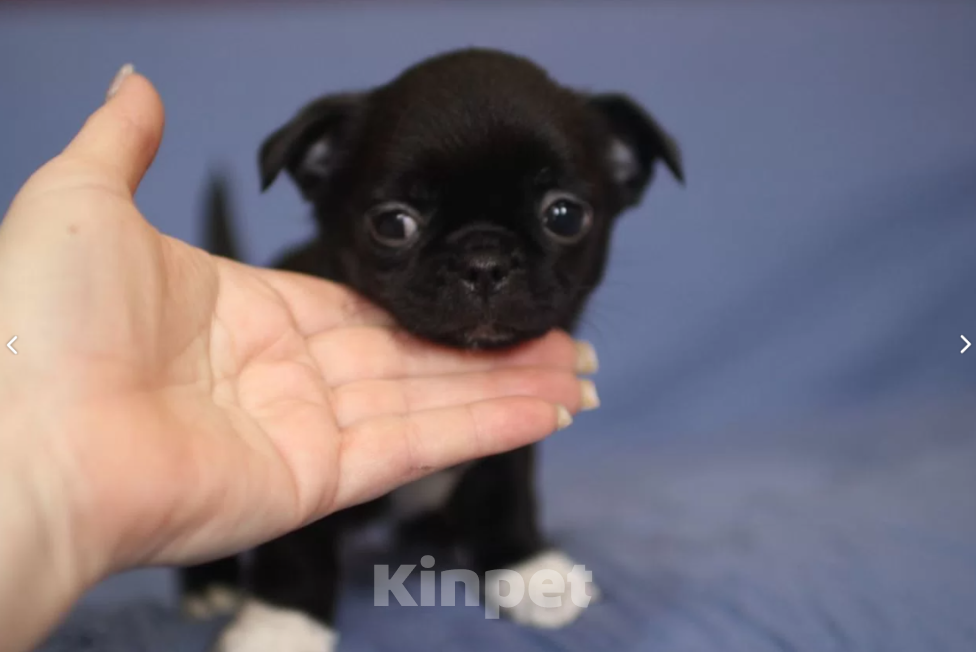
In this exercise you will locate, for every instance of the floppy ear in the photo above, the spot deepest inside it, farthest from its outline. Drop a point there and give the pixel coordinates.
(308, 146)
(637, 142)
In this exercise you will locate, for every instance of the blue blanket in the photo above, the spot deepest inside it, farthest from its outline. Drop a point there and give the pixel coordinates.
(854, 535)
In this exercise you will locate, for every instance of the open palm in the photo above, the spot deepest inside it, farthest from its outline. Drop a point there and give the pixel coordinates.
(196, 405)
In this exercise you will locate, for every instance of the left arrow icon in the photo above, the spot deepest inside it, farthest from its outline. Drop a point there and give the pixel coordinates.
(10, 345)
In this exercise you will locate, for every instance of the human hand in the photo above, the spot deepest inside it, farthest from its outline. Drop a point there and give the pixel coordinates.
(168, 406)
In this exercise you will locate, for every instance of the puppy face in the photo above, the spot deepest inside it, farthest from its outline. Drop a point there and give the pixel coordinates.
(472, 197)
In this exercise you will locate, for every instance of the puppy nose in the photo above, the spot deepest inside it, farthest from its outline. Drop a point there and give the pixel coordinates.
(486, 273)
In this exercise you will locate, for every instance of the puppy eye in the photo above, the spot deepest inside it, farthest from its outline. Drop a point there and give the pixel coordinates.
(565, 218)
(393, 225)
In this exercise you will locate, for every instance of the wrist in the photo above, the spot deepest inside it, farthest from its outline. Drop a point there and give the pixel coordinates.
(46, 561)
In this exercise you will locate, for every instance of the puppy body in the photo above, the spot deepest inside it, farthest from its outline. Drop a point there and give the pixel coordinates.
(473, 198)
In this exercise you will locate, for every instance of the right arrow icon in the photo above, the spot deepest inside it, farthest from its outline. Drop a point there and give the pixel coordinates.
(967, 344)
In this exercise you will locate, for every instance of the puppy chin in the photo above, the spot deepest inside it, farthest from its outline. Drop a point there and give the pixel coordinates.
(489, 336)
(483, 337)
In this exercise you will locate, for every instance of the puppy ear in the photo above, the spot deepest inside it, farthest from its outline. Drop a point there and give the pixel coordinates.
(637, 142)
(308, 145)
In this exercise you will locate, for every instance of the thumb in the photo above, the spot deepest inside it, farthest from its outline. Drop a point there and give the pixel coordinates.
(120, 139)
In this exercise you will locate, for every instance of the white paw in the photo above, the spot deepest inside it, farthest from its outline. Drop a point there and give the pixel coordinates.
(216, 600)
(260, 627)
(558, 608)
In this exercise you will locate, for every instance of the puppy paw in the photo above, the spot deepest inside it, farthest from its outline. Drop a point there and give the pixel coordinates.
(215, 600)
(527, 611)
(260, 627)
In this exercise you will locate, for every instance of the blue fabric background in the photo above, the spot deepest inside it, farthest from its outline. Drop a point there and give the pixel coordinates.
(786, 456)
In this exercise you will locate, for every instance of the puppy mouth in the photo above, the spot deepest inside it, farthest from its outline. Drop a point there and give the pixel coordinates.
(459, 321)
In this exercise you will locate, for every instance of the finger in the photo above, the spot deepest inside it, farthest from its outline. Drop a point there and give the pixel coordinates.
(120, 139)
(364, 353)
(380, 454)
(369, 399)
(318, 305)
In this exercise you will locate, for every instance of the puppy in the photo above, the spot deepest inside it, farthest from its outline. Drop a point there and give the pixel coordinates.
(473, 198)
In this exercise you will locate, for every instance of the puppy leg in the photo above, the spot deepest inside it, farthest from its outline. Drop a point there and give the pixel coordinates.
(293, 595)
(566, 605)
(260, 627)
(211, 589)
(495, 516)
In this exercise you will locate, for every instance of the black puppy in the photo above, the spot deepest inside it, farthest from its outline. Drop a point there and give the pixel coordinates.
(473, 198)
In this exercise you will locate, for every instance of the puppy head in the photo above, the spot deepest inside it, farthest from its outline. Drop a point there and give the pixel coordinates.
(472, 196)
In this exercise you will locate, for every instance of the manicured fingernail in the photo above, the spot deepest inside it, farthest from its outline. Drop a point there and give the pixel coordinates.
(589, 399)
(586, 360)
(563, 417)
(118, 80)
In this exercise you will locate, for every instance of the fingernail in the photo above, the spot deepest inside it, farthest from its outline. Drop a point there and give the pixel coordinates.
(586, 360)
(118, 80)
(589, 399)
(563, 417)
